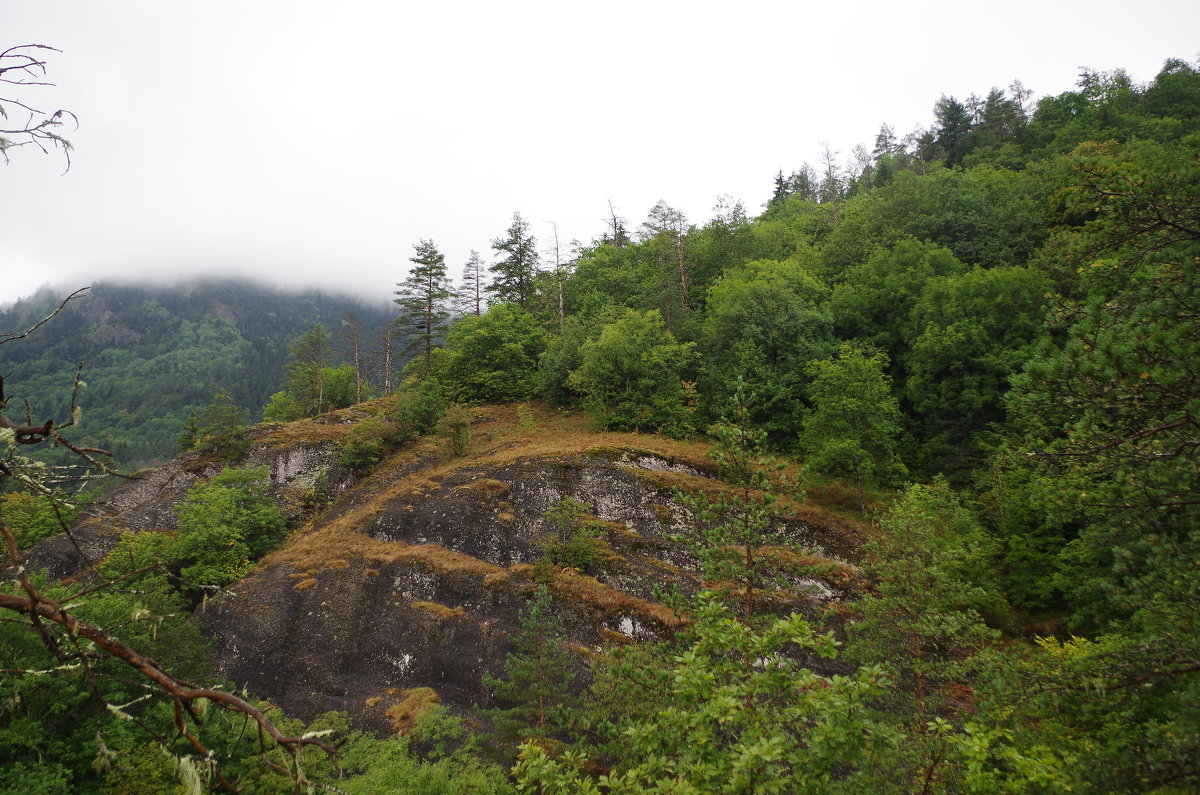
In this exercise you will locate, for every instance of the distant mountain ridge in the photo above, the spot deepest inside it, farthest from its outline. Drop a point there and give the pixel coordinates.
(151, 355)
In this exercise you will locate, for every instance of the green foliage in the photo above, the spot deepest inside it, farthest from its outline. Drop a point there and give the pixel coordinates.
(513, 275)
(310, 353)
(632, 376)
(562, 355)
(855, 420)
(986, 216)
(419, 407)
(282, 407)
(216, 424)
(455, 425)
(34, 517)
(423, 301)
(225, 525)
(337, 384)
(1109, 413)
(439, 756)
(765, 322)
(578, 539)
(872, 301)
(491, 358)
(739, 537)
(740, 713)
(935, 582)
(973, 332)
(535, 690)
(366, 442)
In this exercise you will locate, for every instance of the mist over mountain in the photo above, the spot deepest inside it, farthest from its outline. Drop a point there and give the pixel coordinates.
(152, 355)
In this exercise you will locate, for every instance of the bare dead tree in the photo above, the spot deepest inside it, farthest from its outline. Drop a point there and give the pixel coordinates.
(554, 251)
(78, 644)
(23, 67)
(350, 336)
(385, 351)
(617, 234)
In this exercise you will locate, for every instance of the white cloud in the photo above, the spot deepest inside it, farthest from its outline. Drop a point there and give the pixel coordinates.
(309, 143)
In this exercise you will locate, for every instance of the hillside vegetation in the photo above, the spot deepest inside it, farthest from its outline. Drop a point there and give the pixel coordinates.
(889, 488)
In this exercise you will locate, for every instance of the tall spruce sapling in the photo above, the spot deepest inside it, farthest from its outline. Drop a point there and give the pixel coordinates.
(535, 689)
(738, 535)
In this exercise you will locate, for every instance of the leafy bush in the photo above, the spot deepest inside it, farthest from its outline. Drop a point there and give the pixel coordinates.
(421, 405)
(366, 443)
(455, 425)
(492, 358)
(32, 518)
(578, 540)
(282, 407)
(632, 376)
(225, 525)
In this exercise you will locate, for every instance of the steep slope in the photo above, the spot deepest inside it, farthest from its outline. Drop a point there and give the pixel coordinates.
(414, 576)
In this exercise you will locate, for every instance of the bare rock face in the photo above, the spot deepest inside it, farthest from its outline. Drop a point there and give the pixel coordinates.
(148, 502)
(433, 595)
(415, 576)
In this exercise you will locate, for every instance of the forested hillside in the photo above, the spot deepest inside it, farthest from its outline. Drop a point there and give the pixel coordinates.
(152, 356)
(978, 346)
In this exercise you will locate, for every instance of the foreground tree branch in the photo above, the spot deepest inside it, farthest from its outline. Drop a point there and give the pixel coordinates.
(78, 644)
(22, 67)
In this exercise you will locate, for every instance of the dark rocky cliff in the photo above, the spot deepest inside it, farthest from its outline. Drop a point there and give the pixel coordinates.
(414, 576)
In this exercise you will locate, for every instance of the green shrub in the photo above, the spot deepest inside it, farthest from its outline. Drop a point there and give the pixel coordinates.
(420, 406)
(578, 540)
(366, 443)
(455, 425)
(225, 525)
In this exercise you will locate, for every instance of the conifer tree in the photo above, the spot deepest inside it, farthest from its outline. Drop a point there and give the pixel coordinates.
(423, 299)
(537, 677)
(311, 353)
(471, 294)
(514, 274)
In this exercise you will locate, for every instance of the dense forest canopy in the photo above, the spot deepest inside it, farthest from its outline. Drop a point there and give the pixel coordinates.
(989, 327)
(153, 356)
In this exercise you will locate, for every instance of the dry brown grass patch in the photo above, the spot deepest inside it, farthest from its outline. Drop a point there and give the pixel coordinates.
(374, 701)
(339, 563)
(596, 594)
(662, 564)
(612, 636)
(370, 572)
(495, 579)
(403, 714)
(304, 585)
(489, 486)
(440, 610)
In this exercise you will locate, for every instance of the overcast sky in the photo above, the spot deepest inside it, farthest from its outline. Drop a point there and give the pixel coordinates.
(312, 144)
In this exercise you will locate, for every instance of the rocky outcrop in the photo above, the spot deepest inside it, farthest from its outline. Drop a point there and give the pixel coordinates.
(148, 501)
(415, 576)
(425, 588)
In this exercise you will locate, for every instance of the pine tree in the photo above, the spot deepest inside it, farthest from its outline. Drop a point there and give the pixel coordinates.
(471, 298)
(311, 353)
(423, 301)
(514, 274)
(537, 677)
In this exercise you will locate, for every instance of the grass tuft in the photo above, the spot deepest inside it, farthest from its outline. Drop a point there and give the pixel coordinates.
(403, 714)
(440, 610)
